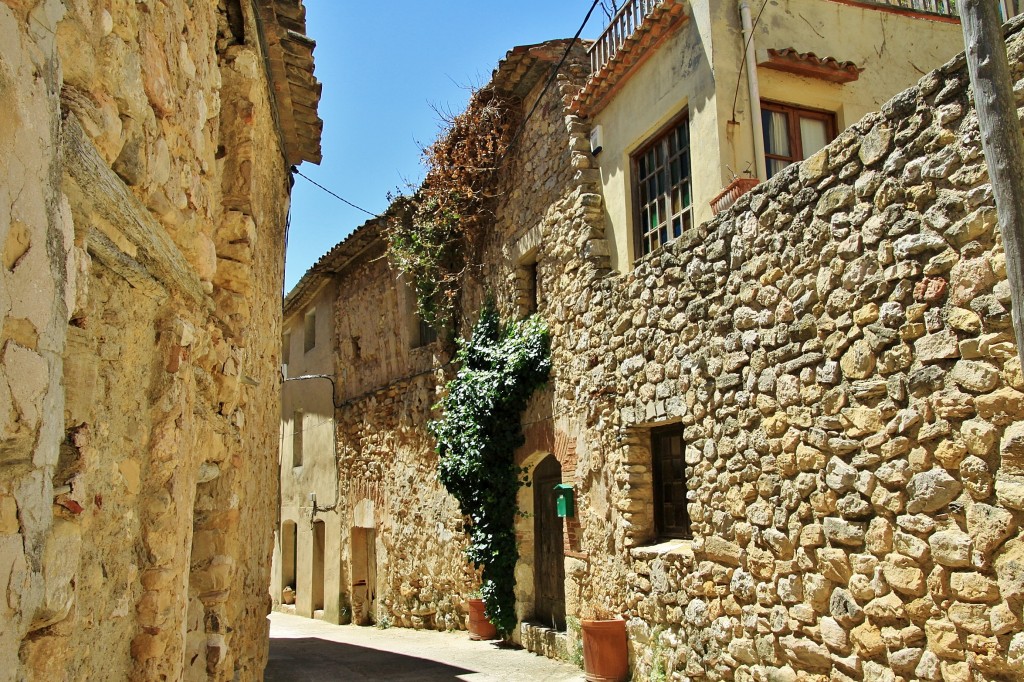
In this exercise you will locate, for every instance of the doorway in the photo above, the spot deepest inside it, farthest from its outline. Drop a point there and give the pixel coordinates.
(364, 576)
(317, 588)
(289, 554)
(549, 558)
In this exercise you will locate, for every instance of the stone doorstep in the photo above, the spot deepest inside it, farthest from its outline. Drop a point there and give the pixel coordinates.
(544, 641)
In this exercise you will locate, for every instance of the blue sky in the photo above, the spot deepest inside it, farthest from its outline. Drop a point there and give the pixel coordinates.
(384, 68)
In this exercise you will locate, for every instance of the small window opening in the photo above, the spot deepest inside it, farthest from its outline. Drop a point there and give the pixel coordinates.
(297, 427)
(309, 338)
(671, 515)
(427, 333)
(528, 285)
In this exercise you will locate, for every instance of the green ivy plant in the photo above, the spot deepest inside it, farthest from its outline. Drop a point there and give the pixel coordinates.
(478, 433)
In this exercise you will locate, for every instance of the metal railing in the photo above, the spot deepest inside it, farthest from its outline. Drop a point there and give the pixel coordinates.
(946, 8)
(625, 22)
(634, 12)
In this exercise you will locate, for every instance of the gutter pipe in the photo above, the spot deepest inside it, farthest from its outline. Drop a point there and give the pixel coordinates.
(754, 91)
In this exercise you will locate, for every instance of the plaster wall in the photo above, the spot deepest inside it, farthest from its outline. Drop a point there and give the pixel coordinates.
(697, 70)
(894, 49)
(318, 471)
(678, 77)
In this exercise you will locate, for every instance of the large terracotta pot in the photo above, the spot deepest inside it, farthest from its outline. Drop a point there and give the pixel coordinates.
(479, 626)
(605, 654)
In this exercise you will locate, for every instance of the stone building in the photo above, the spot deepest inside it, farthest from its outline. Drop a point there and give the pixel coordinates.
(145, 150)
(791, 419)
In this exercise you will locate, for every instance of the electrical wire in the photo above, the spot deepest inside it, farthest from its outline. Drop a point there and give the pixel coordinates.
(333, 194)
(519, 132)
(554, 74)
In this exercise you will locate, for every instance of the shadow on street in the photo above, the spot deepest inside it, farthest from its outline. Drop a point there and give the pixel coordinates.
(309, 659)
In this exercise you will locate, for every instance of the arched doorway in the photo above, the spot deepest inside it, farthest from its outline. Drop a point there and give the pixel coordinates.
(549, 557)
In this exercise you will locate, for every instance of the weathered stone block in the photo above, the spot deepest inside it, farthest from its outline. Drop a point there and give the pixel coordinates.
(951, 548)
(931, 490)
(903, 575)
(938, 346)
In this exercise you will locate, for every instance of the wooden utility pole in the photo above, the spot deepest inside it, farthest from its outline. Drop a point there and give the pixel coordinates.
(1001, 138)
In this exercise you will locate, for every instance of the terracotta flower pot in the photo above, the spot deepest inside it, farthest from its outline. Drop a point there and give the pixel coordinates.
(605, 654)
(479, 626)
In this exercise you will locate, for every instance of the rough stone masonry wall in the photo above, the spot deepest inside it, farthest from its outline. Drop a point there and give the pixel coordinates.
(547, 210)
(838, 347)
(388, 461)
(387, 389)
(144, 197)
(422, 577)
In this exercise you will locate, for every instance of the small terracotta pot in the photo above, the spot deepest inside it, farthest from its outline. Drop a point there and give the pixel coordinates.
(605, 654)
(479, 626)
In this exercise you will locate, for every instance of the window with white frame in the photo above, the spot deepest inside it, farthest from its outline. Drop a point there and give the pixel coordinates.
(662, 187)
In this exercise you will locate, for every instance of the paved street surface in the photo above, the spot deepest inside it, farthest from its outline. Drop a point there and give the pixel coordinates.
(304, 650)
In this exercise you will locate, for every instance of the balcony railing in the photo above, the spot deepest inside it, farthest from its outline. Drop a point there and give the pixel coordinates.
(946, 8)
(625, 22)
(633, 13)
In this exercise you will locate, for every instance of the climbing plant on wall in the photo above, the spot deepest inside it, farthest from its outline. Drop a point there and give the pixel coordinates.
(478, 433)
(431, 236)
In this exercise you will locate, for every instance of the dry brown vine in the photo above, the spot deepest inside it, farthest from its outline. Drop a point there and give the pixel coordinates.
(436, 231)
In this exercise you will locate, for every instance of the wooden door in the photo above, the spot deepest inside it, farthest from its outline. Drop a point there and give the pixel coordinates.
(364, 576)
(549, 560)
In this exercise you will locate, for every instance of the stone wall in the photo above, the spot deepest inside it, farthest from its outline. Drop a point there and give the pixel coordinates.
(147, 190)
(388, 380)
(838, 347)
(391, 497)
(838, 350)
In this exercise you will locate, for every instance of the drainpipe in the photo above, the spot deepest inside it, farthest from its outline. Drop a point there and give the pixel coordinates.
(754, 90)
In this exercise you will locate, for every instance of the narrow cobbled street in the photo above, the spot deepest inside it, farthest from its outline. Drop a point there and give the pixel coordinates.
(304, 650)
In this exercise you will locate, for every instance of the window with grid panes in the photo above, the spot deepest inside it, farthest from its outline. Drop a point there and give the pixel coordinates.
(662, 188)
(792, 134)
(671, 518)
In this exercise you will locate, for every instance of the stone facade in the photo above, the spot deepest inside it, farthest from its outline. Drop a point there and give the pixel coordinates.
(400, 552)
(838, 349)
(835, 351)
(144, 200)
